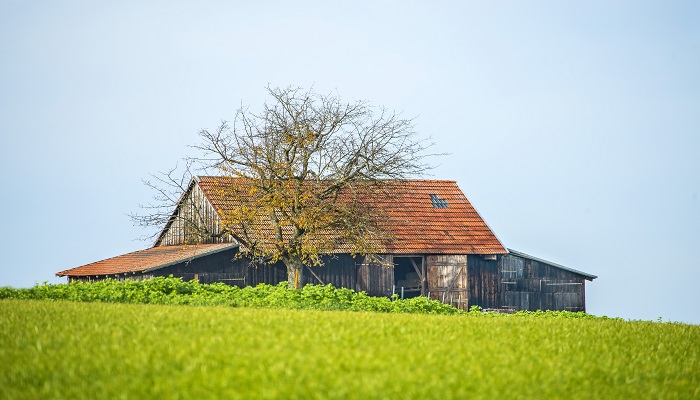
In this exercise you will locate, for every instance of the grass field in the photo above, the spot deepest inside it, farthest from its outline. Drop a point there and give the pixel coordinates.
(57, 349)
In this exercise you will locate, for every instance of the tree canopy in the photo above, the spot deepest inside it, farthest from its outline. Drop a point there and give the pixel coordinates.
(295, 175)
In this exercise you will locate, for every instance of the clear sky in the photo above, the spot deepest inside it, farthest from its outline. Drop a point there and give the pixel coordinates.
(573, 127)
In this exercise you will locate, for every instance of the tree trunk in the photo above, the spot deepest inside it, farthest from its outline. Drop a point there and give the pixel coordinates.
(295, 272)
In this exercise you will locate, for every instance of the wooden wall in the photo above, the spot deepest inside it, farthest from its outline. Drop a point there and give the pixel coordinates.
(376, 278)
(532, 285)
(340, 271)
(512, 282)
(226, 268)
(483, 282)
(194, 221)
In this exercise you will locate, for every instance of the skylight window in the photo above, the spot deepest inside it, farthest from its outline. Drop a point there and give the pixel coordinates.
(438, 202)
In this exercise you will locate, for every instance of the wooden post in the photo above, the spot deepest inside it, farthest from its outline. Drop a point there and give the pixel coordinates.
(424, 283)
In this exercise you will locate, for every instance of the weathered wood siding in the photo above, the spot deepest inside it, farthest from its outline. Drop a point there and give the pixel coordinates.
(377, 279)
(228, 269)
(483, 282)
(513, 282)
(531, 285)
(448, 279)
(340, 271)
(194, 216)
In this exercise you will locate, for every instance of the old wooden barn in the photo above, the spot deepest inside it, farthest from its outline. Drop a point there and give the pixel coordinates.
(442, 249)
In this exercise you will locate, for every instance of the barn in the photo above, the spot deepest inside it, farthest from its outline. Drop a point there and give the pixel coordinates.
(442, 248)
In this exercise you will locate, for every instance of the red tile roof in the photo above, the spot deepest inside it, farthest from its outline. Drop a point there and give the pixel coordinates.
(143, 260)
(444, 223)
(418, 226)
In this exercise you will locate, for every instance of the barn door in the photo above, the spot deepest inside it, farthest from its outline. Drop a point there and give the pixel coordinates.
(448, 281)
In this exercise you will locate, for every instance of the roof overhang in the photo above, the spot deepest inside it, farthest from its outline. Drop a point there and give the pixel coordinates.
(195, 256)
(148, 260)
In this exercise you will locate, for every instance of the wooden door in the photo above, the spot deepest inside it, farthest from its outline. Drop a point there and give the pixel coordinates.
(447, 279)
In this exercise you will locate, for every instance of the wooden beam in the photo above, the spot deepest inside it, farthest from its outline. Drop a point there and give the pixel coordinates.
(415, 266)
(452, 282)
(314, 274)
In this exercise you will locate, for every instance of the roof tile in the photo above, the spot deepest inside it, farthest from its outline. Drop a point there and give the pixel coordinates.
(143, 260)
(417, 226)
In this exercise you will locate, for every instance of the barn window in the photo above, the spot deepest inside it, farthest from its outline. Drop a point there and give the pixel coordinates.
(437, 201)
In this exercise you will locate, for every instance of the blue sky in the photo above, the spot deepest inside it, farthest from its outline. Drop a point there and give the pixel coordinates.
(573, 127)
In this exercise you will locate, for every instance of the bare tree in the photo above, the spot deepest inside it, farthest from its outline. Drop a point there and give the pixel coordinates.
(295, 176)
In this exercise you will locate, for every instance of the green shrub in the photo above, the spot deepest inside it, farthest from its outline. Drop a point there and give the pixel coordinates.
(171, 290)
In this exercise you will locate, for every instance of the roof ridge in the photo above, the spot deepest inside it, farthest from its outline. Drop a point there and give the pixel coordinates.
(386, 180)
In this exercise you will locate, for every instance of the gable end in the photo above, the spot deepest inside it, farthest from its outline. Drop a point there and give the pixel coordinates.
(194, 220)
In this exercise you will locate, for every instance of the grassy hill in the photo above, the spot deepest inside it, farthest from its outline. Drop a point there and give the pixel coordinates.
(73, 350)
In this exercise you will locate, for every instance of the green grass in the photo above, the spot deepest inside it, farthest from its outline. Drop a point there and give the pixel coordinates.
(61, 349)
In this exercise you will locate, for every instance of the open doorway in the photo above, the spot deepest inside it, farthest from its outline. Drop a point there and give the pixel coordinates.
(408, 276)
